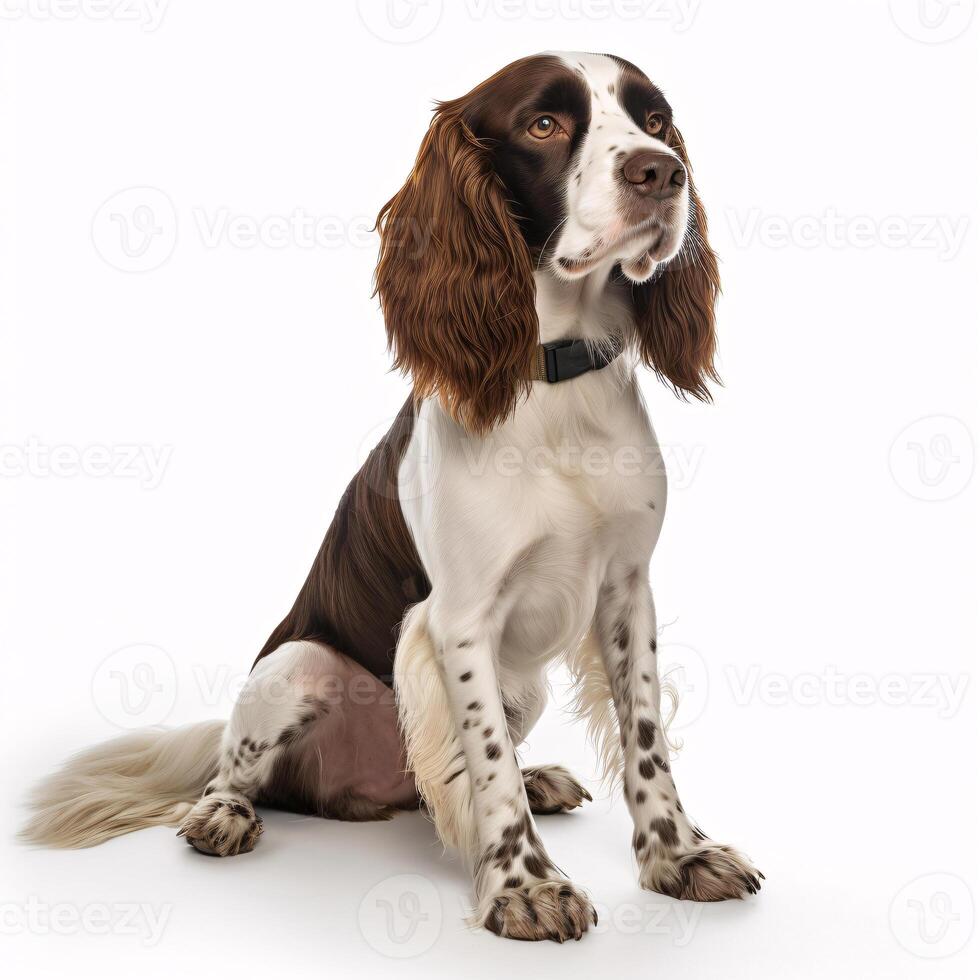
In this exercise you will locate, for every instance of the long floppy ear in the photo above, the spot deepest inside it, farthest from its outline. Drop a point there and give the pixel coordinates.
(675, 310)
(456, 280)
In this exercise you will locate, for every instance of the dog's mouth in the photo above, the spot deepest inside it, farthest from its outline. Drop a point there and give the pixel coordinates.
(638, 247)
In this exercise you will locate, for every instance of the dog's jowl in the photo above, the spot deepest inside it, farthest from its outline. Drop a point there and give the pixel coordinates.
(548, 242)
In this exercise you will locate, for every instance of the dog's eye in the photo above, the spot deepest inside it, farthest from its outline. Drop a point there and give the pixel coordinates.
(543, 127)
(655, 123)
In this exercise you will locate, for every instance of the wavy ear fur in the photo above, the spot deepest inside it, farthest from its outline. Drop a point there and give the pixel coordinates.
(675, 310)
(455, 279)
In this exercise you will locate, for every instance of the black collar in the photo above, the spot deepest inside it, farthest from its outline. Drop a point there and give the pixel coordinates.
(562, 360)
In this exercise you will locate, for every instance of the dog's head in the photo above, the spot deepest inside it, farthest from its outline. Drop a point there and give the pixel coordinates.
(567, 164)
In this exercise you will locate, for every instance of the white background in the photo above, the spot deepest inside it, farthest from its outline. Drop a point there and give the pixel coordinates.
(817, 574)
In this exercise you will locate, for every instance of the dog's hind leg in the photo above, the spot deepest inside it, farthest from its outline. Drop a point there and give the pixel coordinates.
(550, 789)
(553, 789)
(311, 731)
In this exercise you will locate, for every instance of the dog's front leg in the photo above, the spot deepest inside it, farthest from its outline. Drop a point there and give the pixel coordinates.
(675, 857)
(521, 894)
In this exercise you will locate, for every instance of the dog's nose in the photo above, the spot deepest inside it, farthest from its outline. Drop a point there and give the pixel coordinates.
(654, 173)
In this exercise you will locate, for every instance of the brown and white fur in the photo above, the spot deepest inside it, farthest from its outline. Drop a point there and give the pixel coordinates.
(502, 523)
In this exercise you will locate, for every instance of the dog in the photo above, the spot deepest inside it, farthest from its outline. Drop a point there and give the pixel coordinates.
(548, 241)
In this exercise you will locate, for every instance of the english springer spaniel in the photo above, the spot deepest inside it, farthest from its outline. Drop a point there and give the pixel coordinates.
(506, 520)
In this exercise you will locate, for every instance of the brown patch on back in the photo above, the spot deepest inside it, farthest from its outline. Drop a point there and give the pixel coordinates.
(367, 570)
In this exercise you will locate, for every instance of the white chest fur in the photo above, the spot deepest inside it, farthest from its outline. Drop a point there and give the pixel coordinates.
(522, 525)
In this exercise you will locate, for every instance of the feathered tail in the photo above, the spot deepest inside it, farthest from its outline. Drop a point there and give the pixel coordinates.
(142, 779)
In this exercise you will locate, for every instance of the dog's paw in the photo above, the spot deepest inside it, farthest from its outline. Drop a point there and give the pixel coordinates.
(553, 789)
(711, 873)
(222, 824)
(552, 909)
